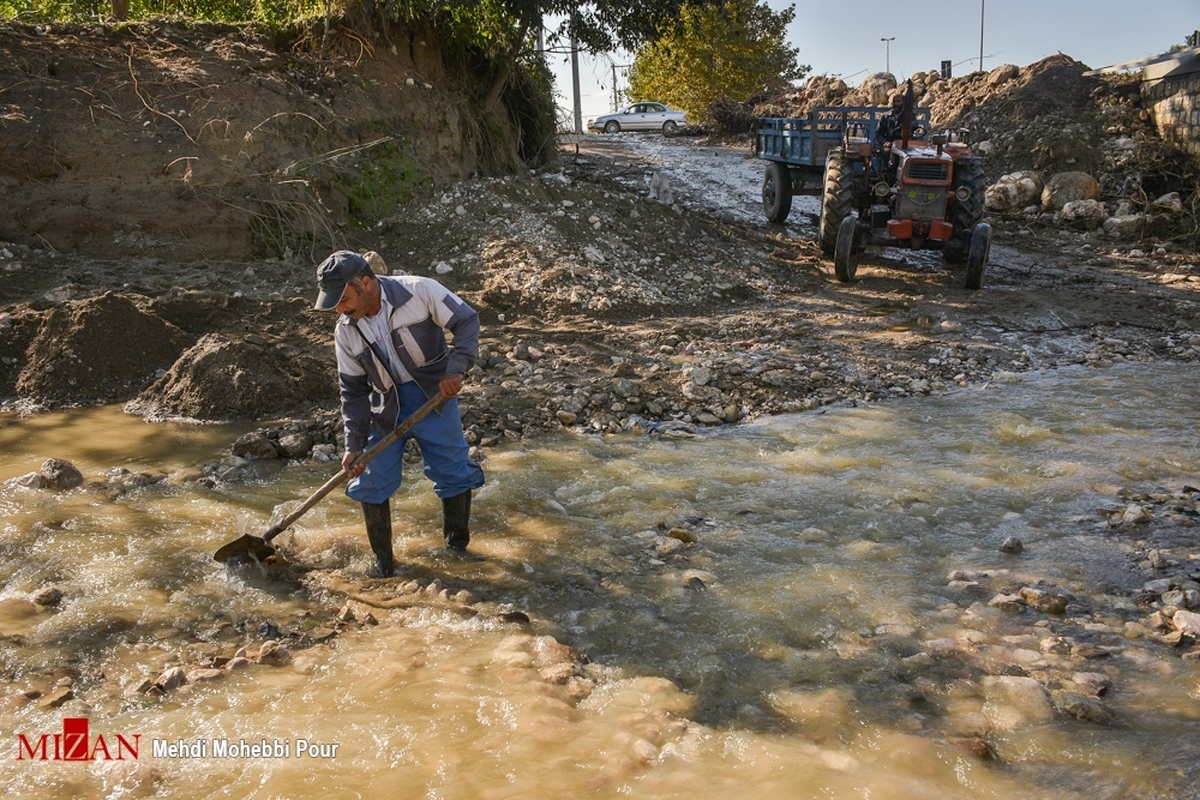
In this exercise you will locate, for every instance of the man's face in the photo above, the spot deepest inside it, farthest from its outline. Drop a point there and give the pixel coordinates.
(359, 298)
(897, 104)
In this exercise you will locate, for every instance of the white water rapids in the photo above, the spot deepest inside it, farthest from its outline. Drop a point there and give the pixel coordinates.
(806, 644)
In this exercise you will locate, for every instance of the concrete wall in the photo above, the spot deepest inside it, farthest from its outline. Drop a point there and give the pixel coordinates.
(1175, 104)
(1171, 90)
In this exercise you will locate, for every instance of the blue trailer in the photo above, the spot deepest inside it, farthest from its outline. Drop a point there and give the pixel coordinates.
(796, 148)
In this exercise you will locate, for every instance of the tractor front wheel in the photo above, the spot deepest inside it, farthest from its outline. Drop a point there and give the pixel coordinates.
(977, 256)
(964, 215)
(846, 251)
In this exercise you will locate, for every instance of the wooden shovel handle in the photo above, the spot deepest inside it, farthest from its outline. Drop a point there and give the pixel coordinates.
(331, 484)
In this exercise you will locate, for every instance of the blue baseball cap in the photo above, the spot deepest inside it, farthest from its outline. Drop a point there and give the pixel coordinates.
(334, 273)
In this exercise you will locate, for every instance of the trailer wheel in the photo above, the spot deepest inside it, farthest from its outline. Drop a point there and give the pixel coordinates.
(837, 201)
(964, 215)
(977, 257)
(846, 251)
(777, 192)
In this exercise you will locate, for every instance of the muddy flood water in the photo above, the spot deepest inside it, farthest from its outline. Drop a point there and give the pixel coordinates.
(793, 608)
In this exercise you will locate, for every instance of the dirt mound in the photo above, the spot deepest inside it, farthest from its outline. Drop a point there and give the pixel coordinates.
(822, 90)
(222, 378)
(1052, 117)
(107, 346)
(555, 242)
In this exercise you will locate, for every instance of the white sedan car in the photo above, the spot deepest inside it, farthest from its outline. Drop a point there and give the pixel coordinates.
(640, 117)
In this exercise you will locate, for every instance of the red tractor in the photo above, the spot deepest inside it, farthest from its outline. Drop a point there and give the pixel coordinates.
(913, 191)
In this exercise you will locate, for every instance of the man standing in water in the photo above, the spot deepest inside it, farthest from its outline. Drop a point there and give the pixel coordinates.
(392, 356)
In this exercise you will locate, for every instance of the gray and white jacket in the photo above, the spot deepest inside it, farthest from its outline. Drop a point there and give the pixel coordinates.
(420, 311)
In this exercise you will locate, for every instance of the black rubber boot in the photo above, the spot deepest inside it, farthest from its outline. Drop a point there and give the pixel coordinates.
(378, 517)
(456, 516)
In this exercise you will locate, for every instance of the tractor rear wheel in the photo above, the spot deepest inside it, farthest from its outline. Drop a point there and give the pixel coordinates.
(837, 200)
(977, 256)
(777, 191)
(964, 215)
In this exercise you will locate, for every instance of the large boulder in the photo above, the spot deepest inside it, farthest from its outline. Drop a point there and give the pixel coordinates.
(1085, 215)
(1066, 187)
(60, 474)
(1003, 74)
(877, 88)
(1014, 192)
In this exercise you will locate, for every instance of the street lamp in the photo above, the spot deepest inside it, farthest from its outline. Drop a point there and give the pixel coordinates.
(981, 4)
(887, 43)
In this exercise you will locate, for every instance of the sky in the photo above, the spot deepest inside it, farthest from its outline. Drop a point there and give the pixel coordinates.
(846, 39)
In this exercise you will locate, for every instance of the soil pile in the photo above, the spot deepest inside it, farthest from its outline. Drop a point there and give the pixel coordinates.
(567, 243)
(97, 350)
(223, 379)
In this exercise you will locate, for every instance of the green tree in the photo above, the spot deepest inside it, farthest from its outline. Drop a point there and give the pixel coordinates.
(735, 50)
(505, 29)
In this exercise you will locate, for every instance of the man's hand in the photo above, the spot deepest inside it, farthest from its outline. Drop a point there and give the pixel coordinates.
(451, 384)
(349, 459)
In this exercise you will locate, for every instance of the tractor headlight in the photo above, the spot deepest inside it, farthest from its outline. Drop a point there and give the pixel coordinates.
(962, 194)
(882, 189)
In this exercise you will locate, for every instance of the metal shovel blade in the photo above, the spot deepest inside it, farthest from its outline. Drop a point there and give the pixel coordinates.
(245, 547)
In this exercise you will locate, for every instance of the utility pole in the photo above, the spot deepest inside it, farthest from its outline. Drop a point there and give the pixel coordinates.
(981, 4)
(575, 87)
(887, 44)
(616, 91)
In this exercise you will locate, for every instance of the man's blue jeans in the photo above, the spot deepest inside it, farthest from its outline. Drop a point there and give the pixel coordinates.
(443, 448)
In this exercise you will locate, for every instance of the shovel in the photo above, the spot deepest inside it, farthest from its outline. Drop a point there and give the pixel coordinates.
(259, 547)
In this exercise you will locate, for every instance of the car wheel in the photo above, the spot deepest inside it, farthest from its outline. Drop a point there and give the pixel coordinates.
(670, 128)
(612, 126)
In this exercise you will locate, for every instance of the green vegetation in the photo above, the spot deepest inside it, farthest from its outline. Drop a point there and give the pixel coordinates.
(388, 178)
(268, 12)
(493, 26)
(734, 51)
(529, 95)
